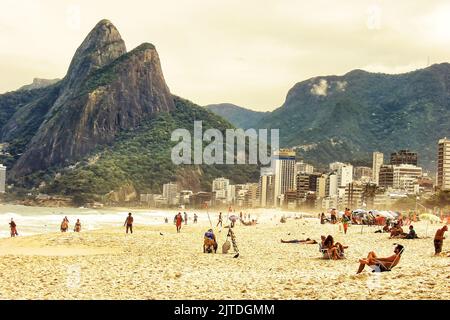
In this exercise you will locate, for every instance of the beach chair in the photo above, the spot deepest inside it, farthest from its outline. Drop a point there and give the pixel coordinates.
(382, 268)
(325, 254)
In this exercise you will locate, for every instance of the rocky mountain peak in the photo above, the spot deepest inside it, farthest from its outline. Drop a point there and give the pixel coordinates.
(102, 45)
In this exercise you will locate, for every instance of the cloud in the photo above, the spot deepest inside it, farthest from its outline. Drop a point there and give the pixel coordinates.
(321, 88)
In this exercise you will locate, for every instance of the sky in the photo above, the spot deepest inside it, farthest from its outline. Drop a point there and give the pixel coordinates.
(249, 53)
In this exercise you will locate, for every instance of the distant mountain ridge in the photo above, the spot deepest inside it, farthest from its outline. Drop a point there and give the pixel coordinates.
(238, 116)
(345, 118)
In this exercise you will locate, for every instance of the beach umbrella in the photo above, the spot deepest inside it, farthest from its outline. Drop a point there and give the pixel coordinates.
(233, 218)
(429, 217)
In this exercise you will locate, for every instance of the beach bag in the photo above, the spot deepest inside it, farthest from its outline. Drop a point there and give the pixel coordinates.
(226, 247)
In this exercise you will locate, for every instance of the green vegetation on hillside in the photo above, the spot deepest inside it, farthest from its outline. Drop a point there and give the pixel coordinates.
(142, 157)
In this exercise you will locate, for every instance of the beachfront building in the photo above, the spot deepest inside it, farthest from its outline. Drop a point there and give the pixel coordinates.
(303, 167)
(344, 172)
(223, 191)
(283, 166)
(354, 193)
(443, 170)
(386, 176)
(302, 187)
(404, 157)
(170, 193)
(363, 174)
(405, 178)
(2, 178)
(377, 162)
(266, 187)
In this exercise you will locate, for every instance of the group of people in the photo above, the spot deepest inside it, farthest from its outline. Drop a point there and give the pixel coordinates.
(65, 225)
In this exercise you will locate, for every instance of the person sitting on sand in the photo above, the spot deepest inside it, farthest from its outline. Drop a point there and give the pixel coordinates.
(77, 226)
(412, 233)
(210, 242)
(335, 251)
(306, 241)
(396, 231)
(129, 223)
(381, 264)
(13, 227)
(439, 240)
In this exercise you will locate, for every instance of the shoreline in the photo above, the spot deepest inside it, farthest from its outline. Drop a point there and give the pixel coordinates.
(157, 263)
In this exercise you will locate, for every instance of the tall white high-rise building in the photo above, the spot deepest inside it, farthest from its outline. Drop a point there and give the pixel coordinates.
(224, 191)
(377, 162)
(405, 177)
(344, 172)
(443, 170)
(2, 178)
(283, 166)
(170, 192)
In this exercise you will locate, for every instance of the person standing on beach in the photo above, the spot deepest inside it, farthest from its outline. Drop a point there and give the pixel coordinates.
(13, 227)
(195, 218)
(77, 226)
(65, 225)
(129, 223)
(220, 219)
(439, 240)
(185, 218)
(333, 216)
(178, 221)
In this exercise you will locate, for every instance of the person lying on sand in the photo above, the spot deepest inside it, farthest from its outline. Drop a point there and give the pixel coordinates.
(381, 264)
(306, 241)
(250, 223)
(335, 251)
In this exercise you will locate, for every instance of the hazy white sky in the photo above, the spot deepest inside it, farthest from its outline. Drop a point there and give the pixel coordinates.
(247, 52)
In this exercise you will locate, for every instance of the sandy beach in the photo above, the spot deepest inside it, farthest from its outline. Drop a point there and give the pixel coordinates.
(157, 263)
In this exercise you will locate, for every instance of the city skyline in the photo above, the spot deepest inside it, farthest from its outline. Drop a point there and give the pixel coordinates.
(243, 53)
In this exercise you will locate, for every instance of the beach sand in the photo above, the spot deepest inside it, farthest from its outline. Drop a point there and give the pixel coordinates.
(108, 264)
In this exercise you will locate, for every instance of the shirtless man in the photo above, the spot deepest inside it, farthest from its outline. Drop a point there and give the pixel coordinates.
(129, 223)
(439, 240)
(383, 264)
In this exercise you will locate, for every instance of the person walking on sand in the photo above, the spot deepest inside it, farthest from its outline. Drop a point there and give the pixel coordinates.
(220, 220)
(65, 225)
(77, 226)
(178, 221)
(185, 218)
(346, 218)
(195, 218)
(439, 240)
(13, 227)
(129, 223)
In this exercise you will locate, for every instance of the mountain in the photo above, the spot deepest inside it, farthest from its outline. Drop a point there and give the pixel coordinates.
(238, 116)
(345, 118)
(39, 83)
(105, 127)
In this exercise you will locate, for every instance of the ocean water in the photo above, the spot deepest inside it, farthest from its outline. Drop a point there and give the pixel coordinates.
(38, 220)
